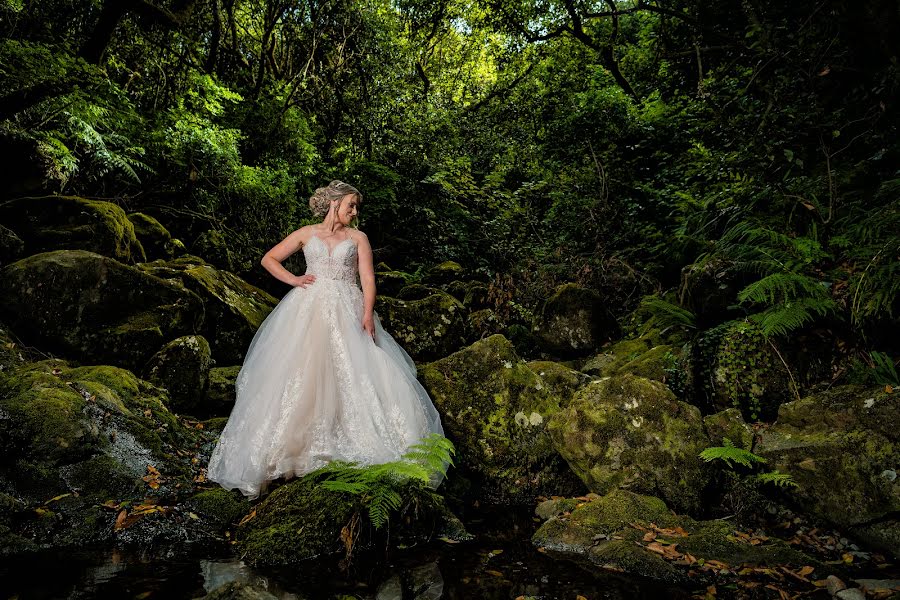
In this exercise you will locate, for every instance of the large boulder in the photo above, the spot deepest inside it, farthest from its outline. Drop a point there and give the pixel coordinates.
(68, 222)
(234, 309)
(444, 273)
(574, 321)
(842, 447)
(562, 381)
(428, 328)
(495, 409)
(156, 240)
(637, 534)
(213, 247)
(182, 367)
(630, 432)
(95, 308)
(644, 356)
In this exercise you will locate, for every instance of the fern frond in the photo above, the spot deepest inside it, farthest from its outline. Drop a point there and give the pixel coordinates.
(784, 318)
(777, 478)
(667, 314)
(729, 453)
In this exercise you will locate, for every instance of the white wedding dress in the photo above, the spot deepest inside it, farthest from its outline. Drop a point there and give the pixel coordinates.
(315, 387)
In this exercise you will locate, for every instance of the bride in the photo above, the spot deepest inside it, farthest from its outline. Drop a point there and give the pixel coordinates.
(322, 380)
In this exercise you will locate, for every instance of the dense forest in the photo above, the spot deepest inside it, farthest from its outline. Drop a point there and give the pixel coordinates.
(722, 178)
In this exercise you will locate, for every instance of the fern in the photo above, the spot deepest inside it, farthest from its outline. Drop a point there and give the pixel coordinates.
(884, 371)
(666, 314)
(729, 453)
(380, 486)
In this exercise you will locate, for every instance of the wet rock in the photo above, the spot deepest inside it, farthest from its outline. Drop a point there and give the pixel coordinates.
(222, 507)
(630, 432)
(573, 322)
(95, 308)
(69, 222)
(428, 328)
(156, 240)
(234, 309)
(236, 590)
(182, 367)
(495, 409)
(840, 447)
(608, 533)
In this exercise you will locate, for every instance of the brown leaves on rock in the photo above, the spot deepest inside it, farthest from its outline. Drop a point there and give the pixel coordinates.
(153, 477)
(129, 515)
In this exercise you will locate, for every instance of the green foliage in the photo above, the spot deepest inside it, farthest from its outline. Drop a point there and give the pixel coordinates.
(666, 315)
(884, 371)
(731, 455)
(380, 487)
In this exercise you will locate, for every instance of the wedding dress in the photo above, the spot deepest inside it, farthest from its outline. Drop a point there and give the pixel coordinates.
(315, 387)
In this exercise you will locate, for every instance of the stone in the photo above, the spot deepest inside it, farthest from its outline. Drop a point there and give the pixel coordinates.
(94, 308)
(182, 367)
(837, 444)
(573, 322)
(484, 322)
(156, 240)
(234, 309)
(11, 246)
(561, 380)
(729, 424)
(427, 329)
(630, 432)
(69, 222)
(444, 272)
(389, 283)
(607, 532)
(221, 394)
(416, 291)
(495, 409)
(213, 247)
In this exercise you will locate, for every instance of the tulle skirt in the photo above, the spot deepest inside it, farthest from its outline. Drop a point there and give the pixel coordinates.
(315, 387)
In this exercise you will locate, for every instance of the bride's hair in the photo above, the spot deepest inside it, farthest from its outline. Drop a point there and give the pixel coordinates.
(321, 200)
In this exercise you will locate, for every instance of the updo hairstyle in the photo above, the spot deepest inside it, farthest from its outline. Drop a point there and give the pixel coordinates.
(320, 202)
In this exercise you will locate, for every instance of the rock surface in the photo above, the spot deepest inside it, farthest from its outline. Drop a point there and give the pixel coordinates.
(182, 367)
(428, 328)
(573, 322)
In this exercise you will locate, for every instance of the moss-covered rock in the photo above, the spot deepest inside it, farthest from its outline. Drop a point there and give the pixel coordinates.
(495, 409)
(476, 296)
(728, 424)
(574, 321)
(156, 240)
(444, 272)
(234, 309)
(842, 447)
(182, 367)
(416, 291)
(68, 222)
(389, 283)
(95, 308)
(525, 342)
(561, 380)
(11, 246)
(212, 245)
(630, 432)
(608, 532)
(221, 394)
(221, 507)
(428, 328)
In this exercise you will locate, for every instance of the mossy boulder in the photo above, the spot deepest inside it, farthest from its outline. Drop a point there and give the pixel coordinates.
(221, 394)
(94, 308)
(495, 409)
(444, 272)
(728, 424)
(842, 447)
(573, 321)
(156, 240)
(68, 222)
(234, 309)
(416, 291)
(428, 328)
(182, 367)
(219, 506)
(389, 283)
(630, 432)
(11, 246)
(212, 245)
(608, 533)
(476, 296)
(562, 381)
(741, 368)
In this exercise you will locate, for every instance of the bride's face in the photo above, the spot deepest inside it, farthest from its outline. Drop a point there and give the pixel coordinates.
(347, 209)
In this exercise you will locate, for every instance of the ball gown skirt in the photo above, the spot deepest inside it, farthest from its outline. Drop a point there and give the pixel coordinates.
(315, 387)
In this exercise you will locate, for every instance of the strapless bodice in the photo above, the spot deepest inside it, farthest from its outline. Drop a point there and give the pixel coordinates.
(338, 263)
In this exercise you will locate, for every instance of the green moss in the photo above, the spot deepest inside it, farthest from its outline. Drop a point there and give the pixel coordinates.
(155, 239)
(182, 368)
(389, 283)
(573, 321)
(495, 409)
(222, 507)
(444, 272)
(630, 431)
(729, 424)
(561, 380)
(416, 291)
(428, 328)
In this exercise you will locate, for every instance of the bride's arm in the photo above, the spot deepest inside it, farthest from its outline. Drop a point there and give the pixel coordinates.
(272, 260)
(367, 280)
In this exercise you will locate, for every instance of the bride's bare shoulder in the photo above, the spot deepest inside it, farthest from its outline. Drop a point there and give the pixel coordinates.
(358, 236)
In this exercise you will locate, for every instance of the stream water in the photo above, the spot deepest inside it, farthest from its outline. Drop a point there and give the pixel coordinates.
(500, 563)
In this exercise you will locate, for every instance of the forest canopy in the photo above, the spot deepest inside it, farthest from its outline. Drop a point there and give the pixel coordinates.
(629, 146)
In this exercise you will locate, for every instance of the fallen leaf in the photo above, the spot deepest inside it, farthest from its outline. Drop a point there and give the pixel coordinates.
(493, 572)
(250, 516)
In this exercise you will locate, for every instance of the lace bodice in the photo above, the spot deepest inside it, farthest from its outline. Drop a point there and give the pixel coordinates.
(338, 263)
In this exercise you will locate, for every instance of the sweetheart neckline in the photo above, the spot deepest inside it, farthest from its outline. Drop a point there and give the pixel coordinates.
(329, 249)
